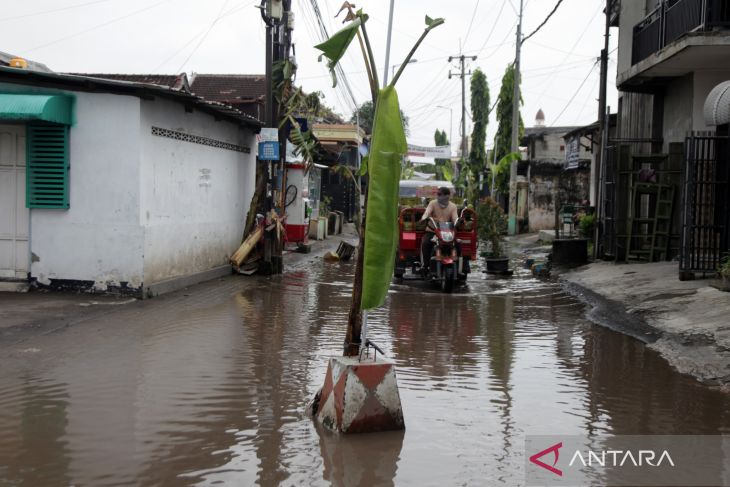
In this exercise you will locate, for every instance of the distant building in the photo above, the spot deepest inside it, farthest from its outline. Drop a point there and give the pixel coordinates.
(556, 172)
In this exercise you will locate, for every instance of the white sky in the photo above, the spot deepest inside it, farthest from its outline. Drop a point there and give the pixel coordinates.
(170, 36)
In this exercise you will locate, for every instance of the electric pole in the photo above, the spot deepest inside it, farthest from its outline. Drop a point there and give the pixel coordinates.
(602, 127)
(463, 74)
(512, 227)
(275, 14)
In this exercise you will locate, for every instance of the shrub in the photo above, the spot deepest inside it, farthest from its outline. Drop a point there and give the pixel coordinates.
(492, 224)
(724, 269)
(586, 225)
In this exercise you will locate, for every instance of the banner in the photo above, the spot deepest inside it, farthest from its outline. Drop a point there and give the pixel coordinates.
(439, 152)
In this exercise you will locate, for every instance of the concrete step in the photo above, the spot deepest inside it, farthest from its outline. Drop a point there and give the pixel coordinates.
(14, 286)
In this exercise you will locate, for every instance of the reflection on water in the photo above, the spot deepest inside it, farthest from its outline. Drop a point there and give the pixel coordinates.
(212, 387)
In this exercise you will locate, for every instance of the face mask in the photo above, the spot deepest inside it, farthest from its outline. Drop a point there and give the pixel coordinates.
(443, 200)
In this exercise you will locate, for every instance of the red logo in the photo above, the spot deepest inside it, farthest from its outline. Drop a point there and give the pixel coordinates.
(555, 449)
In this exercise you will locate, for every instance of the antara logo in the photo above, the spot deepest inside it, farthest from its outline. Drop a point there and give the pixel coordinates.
(604, 458)
(555, 449)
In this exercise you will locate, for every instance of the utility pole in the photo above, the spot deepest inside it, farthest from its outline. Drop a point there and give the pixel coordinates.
(512, 227)
(463, 74)
(387, 45)
(603, 128)
(277, 46)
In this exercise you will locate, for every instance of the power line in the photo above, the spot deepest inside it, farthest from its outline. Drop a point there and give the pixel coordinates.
(543, 22)
(574, 94)
(471, 23)
(205, 36)
(192, 39)
(61, 9)
(494, 26)
(98, 26)
(548, 84)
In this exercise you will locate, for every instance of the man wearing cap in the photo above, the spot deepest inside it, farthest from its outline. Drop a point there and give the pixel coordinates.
(442, 211)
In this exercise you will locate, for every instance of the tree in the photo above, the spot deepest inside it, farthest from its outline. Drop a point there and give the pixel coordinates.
(477, 163)
(442, 168)
(503, 139)
(367, 114)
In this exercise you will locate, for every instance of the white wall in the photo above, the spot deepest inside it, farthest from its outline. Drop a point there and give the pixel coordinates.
(99, 237)
(194, 197)
(704, 82)
(632, 12)
(678, 102)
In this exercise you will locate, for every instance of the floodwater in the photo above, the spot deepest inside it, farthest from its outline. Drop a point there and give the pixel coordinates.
(210, 387)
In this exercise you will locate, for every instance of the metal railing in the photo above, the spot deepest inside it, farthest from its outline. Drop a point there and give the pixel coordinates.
(674, 18)
(706, 225)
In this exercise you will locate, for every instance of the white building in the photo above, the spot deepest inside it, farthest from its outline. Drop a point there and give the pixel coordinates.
(118, 186)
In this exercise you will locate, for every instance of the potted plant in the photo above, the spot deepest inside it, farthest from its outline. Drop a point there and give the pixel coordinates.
(492, 225)
(724, 272)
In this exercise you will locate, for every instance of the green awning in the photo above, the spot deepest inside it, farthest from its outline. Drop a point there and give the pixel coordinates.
(48, 108)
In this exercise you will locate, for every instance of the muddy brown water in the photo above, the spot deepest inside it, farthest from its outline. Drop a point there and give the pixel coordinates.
(210, 387)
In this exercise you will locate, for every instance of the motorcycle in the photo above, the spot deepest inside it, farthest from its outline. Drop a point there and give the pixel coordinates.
(442, 263)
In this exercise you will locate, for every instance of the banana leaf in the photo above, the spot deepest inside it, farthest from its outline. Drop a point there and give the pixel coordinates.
(336, 46)
(381, 223)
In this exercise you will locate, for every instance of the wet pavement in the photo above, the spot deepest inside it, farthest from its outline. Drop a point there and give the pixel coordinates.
(210, 386)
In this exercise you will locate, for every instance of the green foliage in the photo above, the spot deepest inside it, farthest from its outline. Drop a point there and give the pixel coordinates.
(477, 163)
(324, 206)
(381, 239)
(503, 139)
(407, 170)
(335, 47)
(724, 269)
(499, 172)
(442, 167)
(367, 113)
(492, 225)
(586, 225)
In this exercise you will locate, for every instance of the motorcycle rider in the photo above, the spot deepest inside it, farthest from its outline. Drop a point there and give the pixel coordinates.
(442, 211)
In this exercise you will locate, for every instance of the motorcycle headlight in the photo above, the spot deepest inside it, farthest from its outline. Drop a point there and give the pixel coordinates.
(447, 236)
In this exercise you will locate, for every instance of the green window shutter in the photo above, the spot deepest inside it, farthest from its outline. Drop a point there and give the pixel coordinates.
(47, 166)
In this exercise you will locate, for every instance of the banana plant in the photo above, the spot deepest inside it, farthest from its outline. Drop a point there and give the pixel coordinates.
(378, 238)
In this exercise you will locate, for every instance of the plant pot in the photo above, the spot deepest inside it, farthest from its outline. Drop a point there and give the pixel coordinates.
(724, 283)
(497, 265)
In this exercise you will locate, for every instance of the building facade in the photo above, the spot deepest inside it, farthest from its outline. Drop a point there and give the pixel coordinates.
(671, 54)
(119, 186)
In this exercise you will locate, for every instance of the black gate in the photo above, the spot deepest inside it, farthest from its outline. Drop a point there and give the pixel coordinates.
(705, 235)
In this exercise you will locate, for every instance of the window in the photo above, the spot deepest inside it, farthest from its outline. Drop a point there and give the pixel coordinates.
(47, 166)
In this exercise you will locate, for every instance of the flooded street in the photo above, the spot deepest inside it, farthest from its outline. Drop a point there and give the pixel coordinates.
(210, 386)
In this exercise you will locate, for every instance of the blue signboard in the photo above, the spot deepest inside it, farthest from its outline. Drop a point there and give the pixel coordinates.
(269, 151)
(269, 144)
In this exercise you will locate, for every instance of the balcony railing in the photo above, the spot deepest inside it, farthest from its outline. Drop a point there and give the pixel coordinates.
(674, 18)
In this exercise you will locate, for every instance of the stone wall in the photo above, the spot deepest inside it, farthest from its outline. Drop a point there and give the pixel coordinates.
(550, 182)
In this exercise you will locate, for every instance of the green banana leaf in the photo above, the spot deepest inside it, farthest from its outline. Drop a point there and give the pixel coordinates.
(381, 223)
(336, 46)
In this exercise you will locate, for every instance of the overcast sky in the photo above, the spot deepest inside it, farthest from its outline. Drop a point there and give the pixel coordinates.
(560, 73)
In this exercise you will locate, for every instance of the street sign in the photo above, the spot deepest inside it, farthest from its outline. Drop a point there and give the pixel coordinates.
(269, 144)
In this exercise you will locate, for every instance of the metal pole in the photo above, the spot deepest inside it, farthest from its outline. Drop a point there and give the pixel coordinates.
(515, 130)
(451, 125)
(387, 45)
(464, 145)
(364, 329)
(603, 128)
(266, 265)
